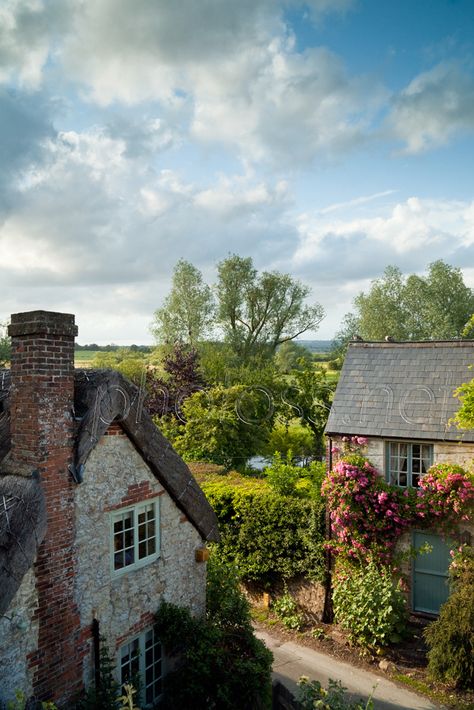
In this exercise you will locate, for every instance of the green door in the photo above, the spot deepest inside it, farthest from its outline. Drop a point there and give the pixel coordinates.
(430, 573)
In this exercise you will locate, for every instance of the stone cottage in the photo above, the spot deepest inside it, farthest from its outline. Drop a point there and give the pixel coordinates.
(400, 397)
(100, 520)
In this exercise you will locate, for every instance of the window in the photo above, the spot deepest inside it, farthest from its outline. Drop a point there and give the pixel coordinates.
(141, 659)
(407, 462)
(135, 536)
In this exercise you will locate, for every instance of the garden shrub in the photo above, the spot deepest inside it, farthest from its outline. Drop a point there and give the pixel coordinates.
(311, 694)
(269, 537)
(368, 515)
(451, 638)
(222, 665)
(286, 609)
(288, 479)
(369, 604)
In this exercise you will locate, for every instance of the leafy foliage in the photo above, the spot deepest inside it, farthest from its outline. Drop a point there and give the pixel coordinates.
(451, 638)
(187, 312)
(311, 694)
(290, 437)
(20, 703)
(5, 346)
(268, 536)
(368, 515)
(261, 311)
(183, 376)
(432, 307)
(287, 479)
(293, 356)
(369, 604)
(287, 611)
(131, 363)
(105, 696)
(309, 398)
(221, 664)
(224, 425)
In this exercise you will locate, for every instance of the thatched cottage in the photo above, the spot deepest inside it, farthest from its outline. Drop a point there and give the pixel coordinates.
(100, 520)
(400, 397)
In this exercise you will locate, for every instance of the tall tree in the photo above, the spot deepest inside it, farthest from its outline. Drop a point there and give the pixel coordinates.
(432, 307)
(187, 312)
(5, 345)
(258, 312)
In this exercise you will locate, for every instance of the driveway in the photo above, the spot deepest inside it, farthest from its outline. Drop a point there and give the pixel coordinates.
(292, 661)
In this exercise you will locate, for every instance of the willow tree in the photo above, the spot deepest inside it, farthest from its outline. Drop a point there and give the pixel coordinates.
(257, 312)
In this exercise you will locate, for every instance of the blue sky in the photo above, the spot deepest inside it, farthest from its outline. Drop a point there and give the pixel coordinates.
(326, 138)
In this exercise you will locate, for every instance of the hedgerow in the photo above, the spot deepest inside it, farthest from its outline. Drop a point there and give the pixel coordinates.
(270, 537)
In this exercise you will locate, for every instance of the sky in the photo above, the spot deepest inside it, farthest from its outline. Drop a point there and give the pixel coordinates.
(326, 139)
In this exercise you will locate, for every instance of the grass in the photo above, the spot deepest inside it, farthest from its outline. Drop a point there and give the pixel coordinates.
(84, 355)
(439, 695)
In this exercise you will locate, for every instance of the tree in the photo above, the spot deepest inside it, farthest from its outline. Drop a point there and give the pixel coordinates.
(293, 356)
(5, 346)
(187, 312)
(225, 425)
(348, 330)
(258, 312)
(309, 398)
(165, 396)
(432, 307)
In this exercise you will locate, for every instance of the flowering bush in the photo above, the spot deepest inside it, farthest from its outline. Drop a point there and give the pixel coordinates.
(446, 492)
(368, 515)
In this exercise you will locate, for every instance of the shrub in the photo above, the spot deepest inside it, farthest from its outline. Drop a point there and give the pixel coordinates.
(451, 638)
(283, 475)
(286, 609)
(311, 694)
(369, 604)
(221, 664)
(269, 537)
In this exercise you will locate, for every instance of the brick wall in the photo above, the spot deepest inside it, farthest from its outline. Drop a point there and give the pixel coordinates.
(42, 396)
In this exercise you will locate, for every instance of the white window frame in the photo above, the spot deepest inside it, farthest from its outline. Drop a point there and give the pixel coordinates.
(135, 510)
(142, 665)
(389, 473)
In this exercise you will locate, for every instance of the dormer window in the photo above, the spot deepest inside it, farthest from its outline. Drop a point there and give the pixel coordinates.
(407, 462)
(135, 536)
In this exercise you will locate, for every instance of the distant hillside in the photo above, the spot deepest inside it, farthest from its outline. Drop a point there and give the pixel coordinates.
(316, 346)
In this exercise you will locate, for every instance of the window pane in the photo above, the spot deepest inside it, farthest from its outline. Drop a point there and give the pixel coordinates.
(151, 546)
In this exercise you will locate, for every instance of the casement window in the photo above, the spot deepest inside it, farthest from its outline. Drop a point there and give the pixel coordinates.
(140, 662)
(407, 462)
(135, 536)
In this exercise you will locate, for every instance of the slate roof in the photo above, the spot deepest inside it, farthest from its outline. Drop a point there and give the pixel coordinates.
(402, 390)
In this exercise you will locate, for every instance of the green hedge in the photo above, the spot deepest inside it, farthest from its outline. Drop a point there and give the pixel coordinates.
(269, 537)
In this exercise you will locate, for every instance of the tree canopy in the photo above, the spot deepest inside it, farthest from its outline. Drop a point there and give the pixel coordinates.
(261, 311)
(435, 306)
(255, 312)
(188, 310)
(5, 346)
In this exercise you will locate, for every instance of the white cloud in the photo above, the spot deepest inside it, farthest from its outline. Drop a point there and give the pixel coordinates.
(27, 31)
(405, 235)
(435, 105)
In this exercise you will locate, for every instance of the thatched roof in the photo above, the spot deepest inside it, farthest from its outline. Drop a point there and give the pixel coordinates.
(22, 529)
(101, 396)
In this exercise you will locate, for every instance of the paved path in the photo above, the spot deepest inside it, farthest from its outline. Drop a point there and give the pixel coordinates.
(292, 661)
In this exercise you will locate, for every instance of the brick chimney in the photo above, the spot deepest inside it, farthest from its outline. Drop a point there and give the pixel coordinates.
(42, 397)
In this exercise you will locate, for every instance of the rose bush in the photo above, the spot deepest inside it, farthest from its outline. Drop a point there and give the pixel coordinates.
(368, 515)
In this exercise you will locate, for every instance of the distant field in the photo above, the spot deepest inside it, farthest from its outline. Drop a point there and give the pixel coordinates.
(83, 356)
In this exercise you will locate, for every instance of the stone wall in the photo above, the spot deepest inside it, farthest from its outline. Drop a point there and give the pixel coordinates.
(443, 452)
(18, 640)
(116, 476)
